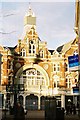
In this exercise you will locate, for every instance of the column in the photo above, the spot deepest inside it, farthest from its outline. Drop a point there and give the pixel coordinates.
(63, 101)
(24, 102)
(75, 100)
(12, 100)
(4, 101)
(39, 102)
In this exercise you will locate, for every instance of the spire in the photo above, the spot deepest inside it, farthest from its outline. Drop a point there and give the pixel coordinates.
(30, 12)
(29, 18)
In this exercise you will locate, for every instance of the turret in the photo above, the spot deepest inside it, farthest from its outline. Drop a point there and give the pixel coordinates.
(30, 18)
(29, 22)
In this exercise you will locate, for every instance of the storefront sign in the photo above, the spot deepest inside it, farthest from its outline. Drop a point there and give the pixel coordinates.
(73, 62)
(75, 89)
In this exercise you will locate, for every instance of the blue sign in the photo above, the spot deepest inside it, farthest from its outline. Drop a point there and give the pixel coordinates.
(75, 89)
(73, 62)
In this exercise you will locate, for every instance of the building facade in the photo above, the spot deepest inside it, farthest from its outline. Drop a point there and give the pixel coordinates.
(43, 72)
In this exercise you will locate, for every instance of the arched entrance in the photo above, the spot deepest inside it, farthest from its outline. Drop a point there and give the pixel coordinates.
(36, 81)
(31, 102)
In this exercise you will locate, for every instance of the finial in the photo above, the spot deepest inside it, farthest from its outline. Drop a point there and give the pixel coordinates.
(30, 10)
(29, 5)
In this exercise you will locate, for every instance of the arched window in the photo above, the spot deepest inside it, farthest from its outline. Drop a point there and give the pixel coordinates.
(32, 49)
(32, 77)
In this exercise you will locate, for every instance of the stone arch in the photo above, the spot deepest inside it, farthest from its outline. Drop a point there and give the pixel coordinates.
(37, 67)
(31, 102)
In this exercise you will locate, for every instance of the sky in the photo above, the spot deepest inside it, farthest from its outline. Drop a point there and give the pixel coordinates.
(55, 21)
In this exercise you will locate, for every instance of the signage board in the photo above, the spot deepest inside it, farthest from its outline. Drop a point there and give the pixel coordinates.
(75, 89)
(73, 62)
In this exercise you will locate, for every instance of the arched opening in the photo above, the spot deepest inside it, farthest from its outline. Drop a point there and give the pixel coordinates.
(31, 102)
(36, 70)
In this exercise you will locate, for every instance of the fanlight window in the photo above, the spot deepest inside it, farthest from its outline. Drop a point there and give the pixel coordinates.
(32, 77)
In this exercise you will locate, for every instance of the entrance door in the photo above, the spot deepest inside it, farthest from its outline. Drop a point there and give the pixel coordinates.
(68, 101)
(31, 102)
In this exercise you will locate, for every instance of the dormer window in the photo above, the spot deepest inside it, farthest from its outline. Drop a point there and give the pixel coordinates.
(23, 52)
(10, 64)
(75, 52)
(41, 53)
